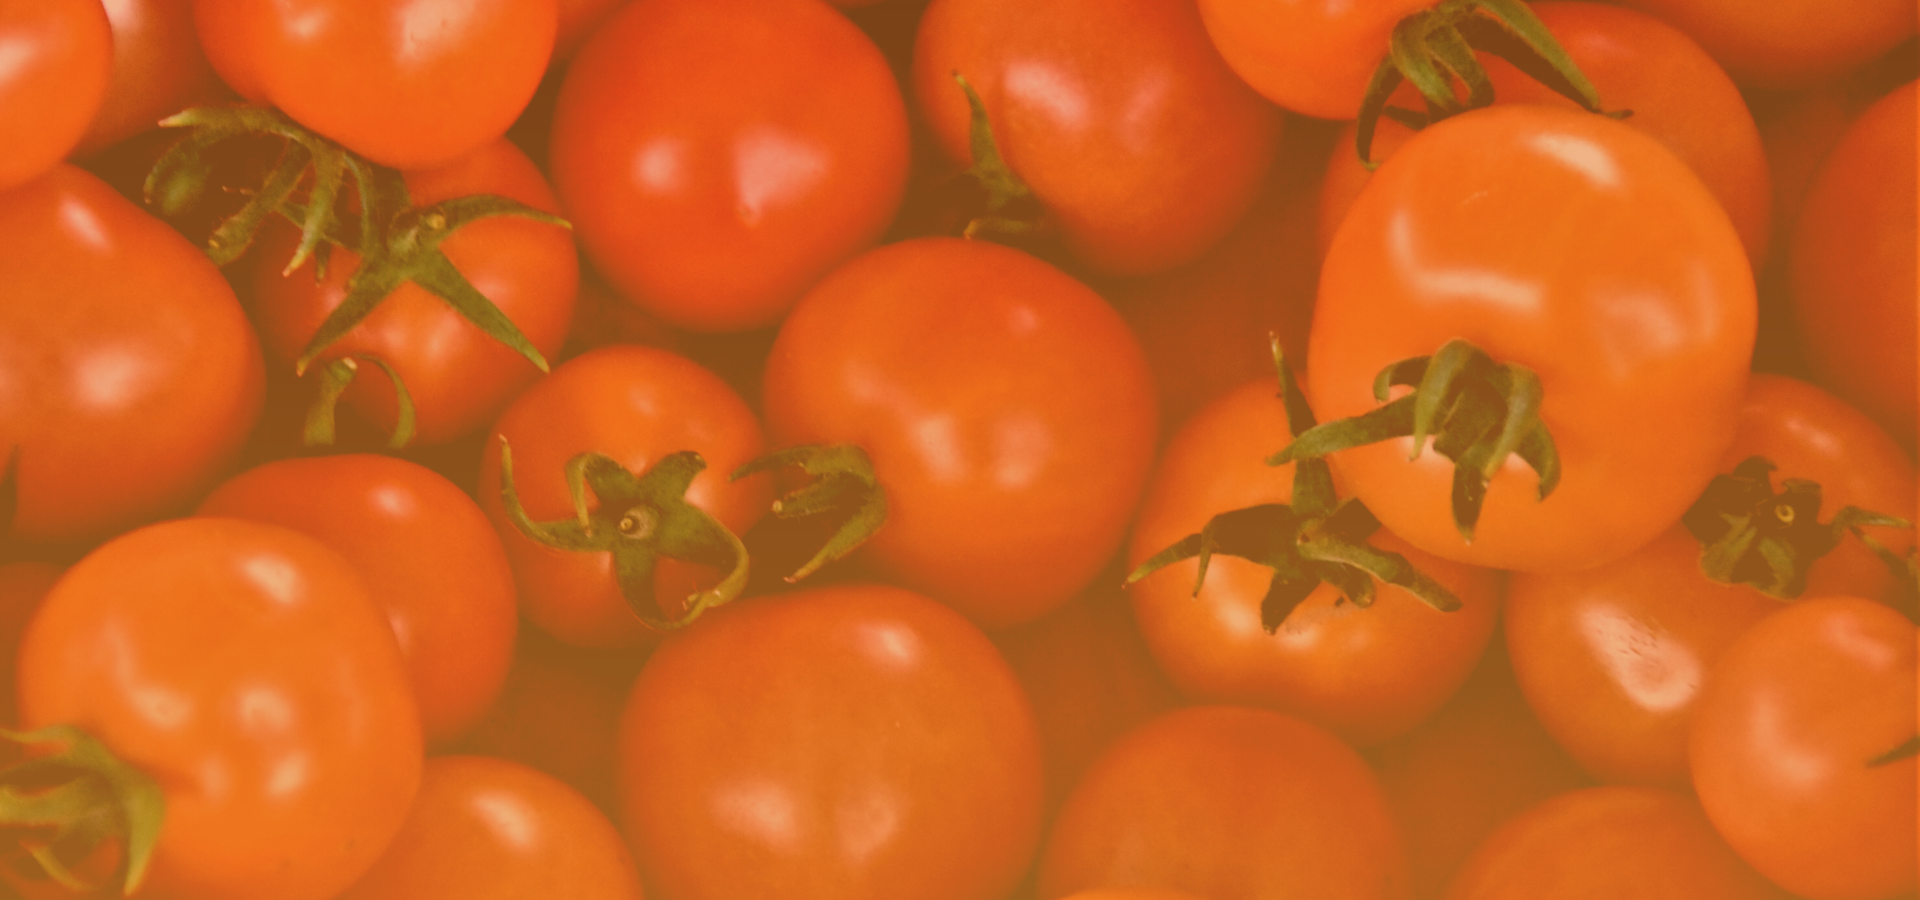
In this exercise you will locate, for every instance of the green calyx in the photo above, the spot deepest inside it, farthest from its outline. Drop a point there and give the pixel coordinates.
(1007, 212)
(1315, 540)
(334, 378)
(396, 242)
(1767, 539)
(1907, 750)
(639, 519)
(1433, 47)
(66, 804)
(1478, 412)
(841, 484)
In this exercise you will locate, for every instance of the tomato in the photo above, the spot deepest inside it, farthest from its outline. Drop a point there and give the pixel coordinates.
(1365, 674)
(1006, 408)
(579, 19)
(1576, 247)
(1607, 842)
(429, 557)
(488, 829)
(1853, 266)
(1782, 737)
(718, 157)
(245, 668)
(410, 85)
(59, 57)
(22, 585)
(635, 405)
(459, 378)
(1230, 804)
(128, 375)
(158, 70)
(846, 742)
(1310, 56)
(1141, 145)
(1788, 43)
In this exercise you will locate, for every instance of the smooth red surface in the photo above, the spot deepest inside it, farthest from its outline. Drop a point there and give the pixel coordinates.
(1789, 43)
(1310, 56)
(22, 585)
(59, 57)
(158, 70)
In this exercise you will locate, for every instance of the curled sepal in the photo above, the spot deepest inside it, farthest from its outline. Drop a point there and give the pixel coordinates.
(334, 378)
(1477, 411)
(841, 483)
(66, 804)
(1767, 539)
(638, 519)
(1009, 210)
(1907, 750)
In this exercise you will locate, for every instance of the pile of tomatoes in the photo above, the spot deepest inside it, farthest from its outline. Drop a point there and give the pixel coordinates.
(958, 449)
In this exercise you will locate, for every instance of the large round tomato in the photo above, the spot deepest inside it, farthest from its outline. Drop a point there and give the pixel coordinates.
(409, 84)
(158, 70)
(719, 156)
(842, 743)
(1789, 43)
(128, 374)
(245, 669)
(58, 57)
(1006, 408)
(1576, 247)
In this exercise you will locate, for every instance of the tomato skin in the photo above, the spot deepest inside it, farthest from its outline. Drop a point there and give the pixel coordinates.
(872, 743)
(129, 377)
(718, 157)
(158, 70)
(1231, 804)
(50, 90)
(410, 84)
(1365, 674)
(1781, 737)
(458, 377)
(1311, 56)
(245, 668)
(1013, 429)
(488, 829)
(22, 586)
(429, 557)
(1572, 245)
(636, 405)
(1141, 144)
(1788, 43)
(1853, 266)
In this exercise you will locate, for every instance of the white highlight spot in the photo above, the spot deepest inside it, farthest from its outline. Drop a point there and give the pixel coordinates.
(509, 819)
(1591, 160)
(1048, 90)
(275, 578)
(771, 170)
(761, 811)
(1659, 674)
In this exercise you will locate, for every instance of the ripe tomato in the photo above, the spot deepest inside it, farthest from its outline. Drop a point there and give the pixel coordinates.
(1365, 674)
(1006, 408)
(459, 377)
(1789, 43)
(1854, 262)
(411, 84)
(851, 742)
(128, 375)
(59, 58)
(1141, 145)
(718, 157)
(245, 668)
(22, 585)
(1230, 804)
(1581, 249)
(430, 559)
(158, 70)
(1608, 842)
(488, 829)
(1782, 737)
(1310, 56)
(579, 19)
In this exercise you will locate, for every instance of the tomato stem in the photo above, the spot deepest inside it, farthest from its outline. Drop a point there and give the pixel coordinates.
(335, 376)
(1907, 750)
(77, 799)
(1768, 540)
(842, 482)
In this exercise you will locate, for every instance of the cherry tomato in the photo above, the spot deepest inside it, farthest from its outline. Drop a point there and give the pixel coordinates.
(718, 157)
(1788, 43)
(1310, 56)
(245, 668)
(59, 55)
(158, 70)
(128, 375)
(579, 19)
(411, 85)
(1782, 737)
(1581, 249)
(1008, 412)
(488, 829)
(842, 742)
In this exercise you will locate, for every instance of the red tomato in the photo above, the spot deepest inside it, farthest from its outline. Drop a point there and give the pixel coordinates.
(459, 377)
(1581, 249)
(410, 84)
(158, 70)
(1789, 43)
(245, 668)
(1230, 804)
(579, 19)
(854, 743)
(22, 585)
(1137, 139)
(1605, 843)
(1782, 735)
(59, 55)
(1365, 674)
(1853, 266)
(636, 405)
(718, 157)
(430, 559)
(1006, 408)
(128, 375)
(488, 829)
(1310, 56)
